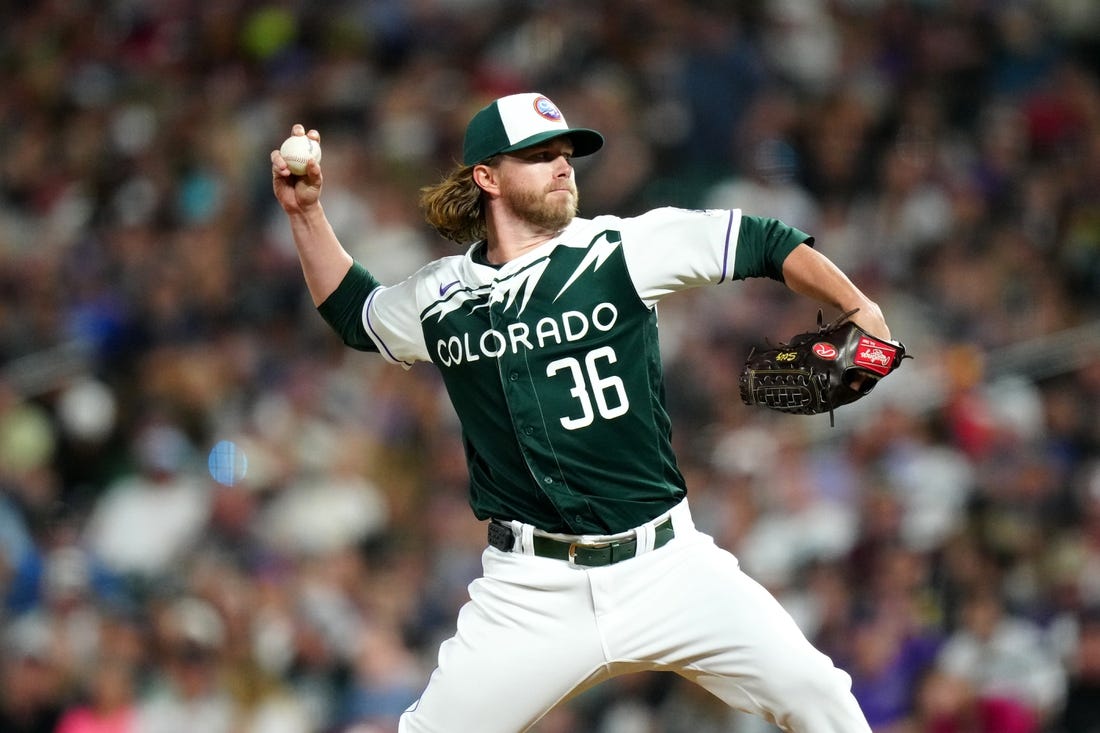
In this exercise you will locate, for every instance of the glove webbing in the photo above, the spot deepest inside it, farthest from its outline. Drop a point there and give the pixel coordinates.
(797, 393)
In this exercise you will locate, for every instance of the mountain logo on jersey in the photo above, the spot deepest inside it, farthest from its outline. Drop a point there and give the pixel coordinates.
(442, 308)
(519, 287)
(598, 252)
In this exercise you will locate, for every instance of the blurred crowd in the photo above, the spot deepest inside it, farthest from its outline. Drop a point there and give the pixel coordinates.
(942, 542)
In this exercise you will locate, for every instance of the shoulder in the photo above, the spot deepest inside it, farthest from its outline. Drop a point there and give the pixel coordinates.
(437, 274)
(441, 268)
(660, 224)
(667, 215)
(581, 231)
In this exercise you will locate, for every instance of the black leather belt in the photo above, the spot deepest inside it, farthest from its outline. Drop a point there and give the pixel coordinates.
(588, 554)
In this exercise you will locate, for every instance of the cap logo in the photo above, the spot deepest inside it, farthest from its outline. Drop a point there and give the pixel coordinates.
(508, 125)
(547, 109)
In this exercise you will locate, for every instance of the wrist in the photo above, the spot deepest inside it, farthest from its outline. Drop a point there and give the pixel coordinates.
(308, 217)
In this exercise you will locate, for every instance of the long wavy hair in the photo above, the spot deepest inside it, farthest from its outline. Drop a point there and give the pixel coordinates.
(455, 206)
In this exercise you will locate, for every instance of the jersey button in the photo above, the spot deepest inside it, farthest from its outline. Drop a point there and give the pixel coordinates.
(548, 480)
(514, 376)
(528, 430)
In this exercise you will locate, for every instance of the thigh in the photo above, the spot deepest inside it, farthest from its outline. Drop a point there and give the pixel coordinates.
(700, 615)
(524, 641)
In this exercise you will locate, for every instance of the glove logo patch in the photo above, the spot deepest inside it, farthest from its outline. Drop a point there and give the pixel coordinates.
(874, 355)
(825, 351)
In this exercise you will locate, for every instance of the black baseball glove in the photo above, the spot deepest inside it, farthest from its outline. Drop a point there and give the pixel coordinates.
(818, 371)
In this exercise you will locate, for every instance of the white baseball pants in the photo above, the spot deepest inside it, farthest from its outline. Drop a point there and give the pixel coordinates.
(537, 631)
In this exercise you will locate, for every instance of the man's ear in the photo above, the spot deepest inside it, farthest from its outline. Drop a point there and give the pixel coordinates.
(485, 178)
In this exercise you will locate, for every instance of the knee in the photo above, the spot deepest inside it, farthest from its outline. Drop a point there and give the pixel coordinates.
(819, 682)
(817, 696)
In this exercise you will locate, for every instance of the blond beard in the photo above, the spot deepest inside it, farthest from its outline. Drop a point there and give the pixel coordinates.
(541, 211)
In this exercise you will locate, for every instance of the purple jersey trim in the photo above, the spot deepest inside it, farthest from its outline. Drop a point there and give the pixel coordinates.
(374, 334)
(726, 250)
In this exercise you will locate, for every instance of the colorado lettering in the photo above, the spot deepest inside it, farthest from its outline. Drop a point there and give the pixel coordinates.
(567, 327)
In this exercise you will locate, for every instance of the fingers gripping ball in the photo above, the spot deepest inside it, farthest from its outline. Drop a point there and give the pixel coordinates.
(297, 151)
(818, 371)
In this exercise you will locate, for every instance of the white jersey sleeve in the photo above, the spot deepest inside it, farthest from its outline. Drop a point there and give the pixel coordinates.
(668, 249)
(392, 314)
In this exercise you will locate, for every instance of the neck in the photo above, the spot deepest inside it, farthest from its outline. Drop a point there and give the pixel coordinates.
(506, 243)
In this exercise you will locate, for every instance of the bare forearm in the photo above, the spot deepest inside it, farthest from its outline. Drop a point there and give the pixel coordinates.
(810, 273)
(324, 260)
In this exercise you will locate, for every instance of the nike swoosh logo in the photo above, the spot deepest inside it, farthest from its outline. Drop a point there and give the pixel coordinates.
(444, 288)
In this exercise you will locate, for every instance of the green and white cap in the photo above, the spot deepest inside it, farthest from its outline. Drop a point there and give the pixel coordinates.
(520, 121)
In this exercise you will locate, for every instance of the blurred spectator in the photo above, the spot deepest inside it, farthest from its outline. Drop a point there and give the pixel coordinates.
(32, 691)
(947, 704)
(1006, 659)
(770, 187)
(72, 598)
(108, 701)
(316, 515)
(189, 691)
(387, 678)
(888, 660)
(801, 520)
(147, 519)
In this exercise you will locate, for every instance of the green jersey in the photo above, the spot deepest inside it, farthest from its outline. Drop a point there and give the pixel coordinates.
(552, 360)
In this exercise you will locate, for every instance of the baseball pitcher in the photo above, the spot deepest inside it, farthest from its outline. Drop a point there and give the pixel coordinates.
(545, 333)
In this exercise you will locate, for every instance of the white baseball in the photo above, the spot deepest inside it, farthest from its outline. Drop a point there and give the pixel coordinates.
(297, 151)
